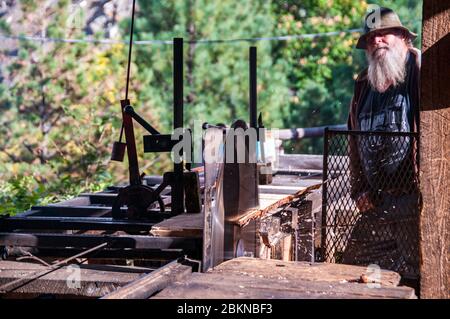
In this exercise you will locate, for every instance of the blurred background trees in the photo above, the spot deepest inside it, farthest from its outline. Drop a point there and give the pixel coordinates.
(59, 101)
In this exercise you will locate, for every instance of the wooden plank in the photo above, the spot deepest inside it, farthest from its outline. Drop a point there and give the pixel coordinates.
(275, 202)
(300, 161)
(278, 189)
(302, 271)
(233, 286)
(303, 223)
(213, 208)
(192, 224)
(93, 282)
(157, 280)
(183, 225)
(296, 180)
(304, 162)
(267, 200)
(435, 150)
(287, 248)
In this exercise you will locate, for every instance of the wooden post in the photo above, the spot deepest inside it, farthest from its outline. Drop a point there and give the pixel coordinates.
(435, 150)
(145, 286)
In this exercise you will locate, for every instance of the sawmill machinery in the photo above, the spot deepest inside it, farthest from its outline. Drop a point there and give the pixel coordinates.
(133, 201)
(123, 217)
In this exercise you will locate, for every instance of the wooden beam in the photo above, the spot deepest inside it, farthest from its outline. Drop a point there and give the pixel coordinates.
(183, 225)
(300, 161)
(232, 286)
(249, 278)
(303, 222)
(435, 150)
(303, 271)
(147, 285)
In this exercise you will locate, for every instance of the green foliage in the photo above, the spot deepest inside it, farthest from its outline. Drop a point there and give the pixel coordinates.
(55, 116)
(19, 194)
(320, 70)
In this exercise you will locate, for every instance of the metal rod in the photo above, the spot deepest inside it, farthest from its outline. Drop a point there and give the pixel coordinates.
(75, 223)
(51, 240)
(121, 133)
(369, 133)
(118, 253)
(129, 50)
(130, 111)
(253, 108)
(65, 261)
(177, 185)
(253, 88)
(178, 83)
(133, 165)
(324, 195)
(129, 63)
(307, 132)
(47, 271)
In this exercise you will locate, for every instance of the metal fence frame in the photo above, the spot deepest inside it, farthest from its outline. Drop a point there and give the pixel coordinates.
(328, 135)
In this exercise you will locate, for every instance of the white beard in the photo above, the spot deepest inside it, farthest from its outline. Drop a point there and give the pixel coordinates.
(388, 67)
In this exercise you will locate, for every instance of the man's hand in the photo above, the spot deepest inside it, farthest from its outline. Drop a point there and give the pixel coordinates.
(364, 203)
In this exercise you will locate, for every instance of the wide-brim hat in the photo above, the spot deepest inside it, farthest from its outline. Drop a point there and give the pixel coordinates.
(383, 19)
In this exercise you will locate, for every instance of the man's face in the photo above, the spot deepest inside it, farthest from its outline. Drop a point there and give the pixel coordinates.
(386, 54)
(379, 42)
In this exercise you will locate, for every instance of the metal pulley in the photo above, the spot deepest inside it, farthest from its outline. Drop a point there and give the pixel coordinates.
(137, 199)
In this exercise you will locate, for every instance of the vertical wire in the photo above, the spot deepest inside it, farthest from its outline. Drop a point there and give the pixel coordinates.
(130, 48)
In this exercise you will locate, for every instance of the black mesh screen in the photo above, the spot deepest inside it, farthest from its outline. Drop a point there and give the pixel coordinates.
(371, 200)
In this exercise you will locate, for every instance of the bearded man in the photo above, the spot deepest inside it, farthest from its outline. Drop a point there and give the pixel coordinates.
(383, 167)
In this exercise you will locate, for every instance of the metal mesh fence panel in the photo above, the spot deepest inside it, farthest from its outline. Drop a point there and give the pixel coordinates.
(371, 200)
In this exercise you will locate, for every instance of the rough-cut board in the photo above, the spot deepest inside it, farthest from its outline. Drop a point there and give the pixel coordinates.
(183, 225)
(276, 202)
(225, 286)
(278, 189)
(191, 225)
(290, 270)
(94, 282)
(300, 161)
(435, 150)
(267, 200)
(246, 278)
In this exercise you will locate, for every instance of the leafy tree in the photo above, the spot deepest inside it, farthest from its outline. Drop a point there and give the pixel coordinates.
(321, 69)
(56, 110)
(60, 102)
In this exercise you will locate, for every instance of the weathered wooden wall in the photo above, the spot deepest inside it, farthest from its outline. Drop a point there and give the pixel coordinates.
(435, 149)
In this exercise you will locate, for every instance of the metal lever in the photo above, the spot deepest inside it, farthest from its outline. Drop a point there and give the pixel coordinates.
(130, 111)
